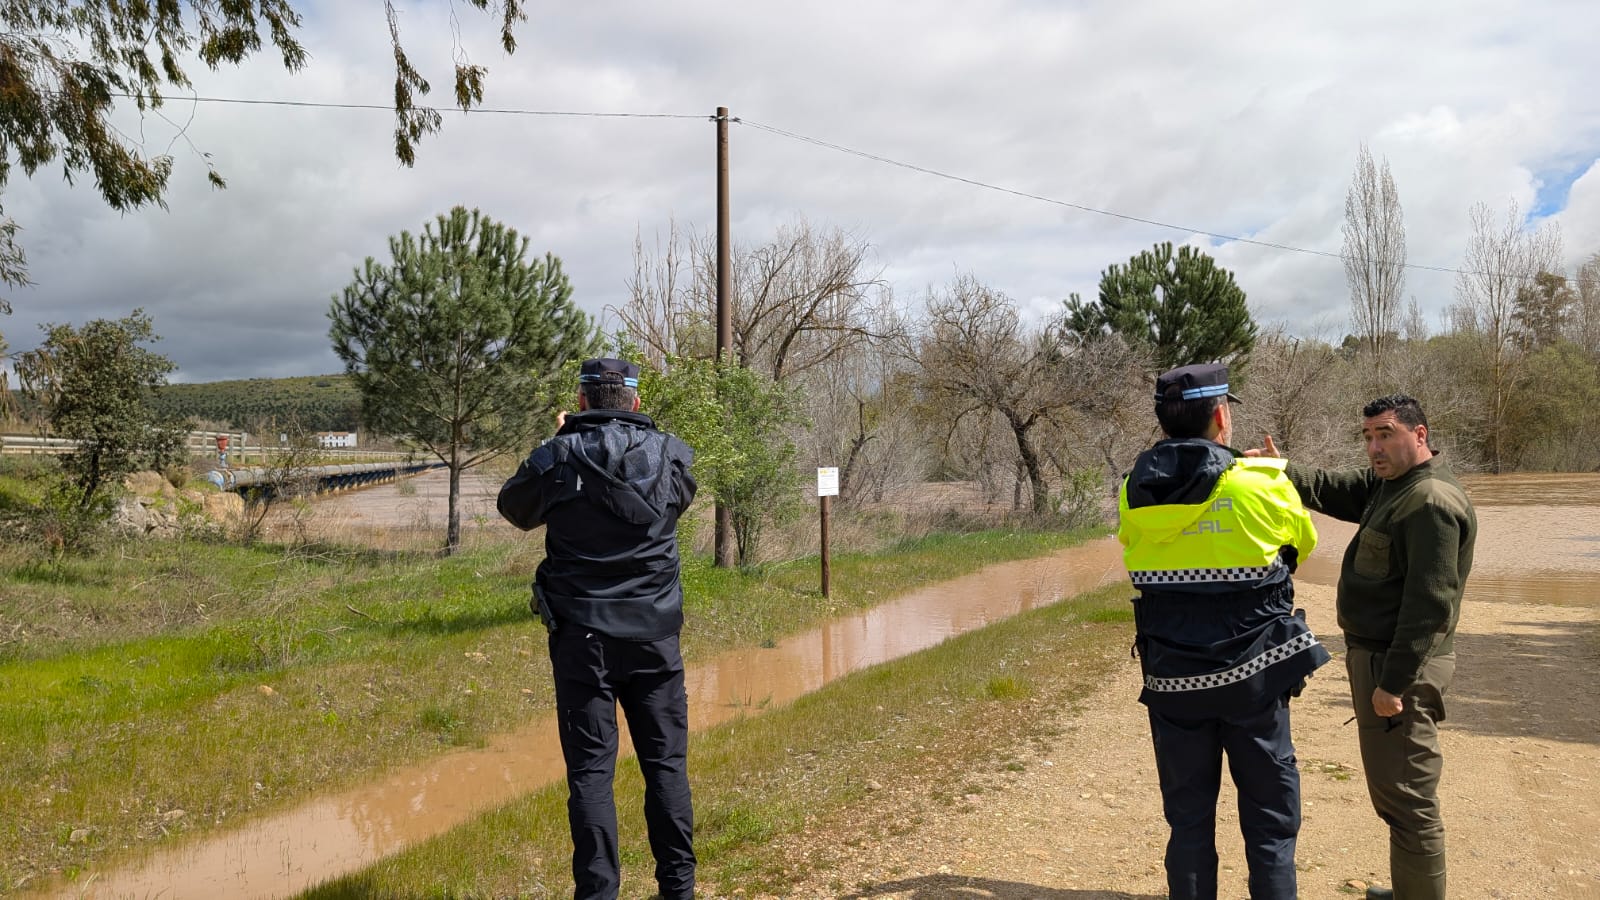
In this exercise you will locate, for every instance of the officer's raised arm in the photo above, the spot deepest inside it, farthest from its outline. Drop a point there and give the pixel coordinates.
(523, 498)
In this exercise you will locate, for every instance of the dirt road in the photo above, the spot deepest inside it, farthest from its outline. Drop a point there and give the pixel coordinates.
(1521, 787)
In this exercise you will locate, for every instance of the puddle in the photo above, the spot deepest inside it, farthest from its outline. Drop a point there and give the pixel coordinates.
(1542, 588)
(284, 854)
(1555, 588)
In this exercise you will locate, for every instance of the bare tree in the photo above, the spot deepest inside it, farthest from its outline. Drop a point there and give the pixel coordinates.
(1501, 259)
(1093, 443)
(979, 360)
(800, 299)
(8, 404)
(664, 317)
(860, 405)
(1374, 255)
(1413, 328)
(285, 477)
(1584, 326)
(1290, 394)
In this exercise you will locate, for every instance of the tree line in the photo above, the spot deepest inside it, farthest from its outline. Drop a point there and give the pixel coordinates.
(464, 343)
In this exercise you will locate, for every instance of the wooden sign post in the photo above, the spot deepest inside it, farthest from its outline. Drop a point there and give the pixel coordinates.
(827, 487)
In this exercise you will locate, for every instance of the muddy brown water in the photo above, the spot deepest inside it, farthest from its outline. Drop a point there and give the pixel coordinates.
(283, 854)
(1539, 543)
(1538, 540)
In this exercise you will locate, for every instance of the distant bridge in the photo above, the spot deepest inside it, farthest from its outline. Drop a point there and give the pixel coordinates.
(256, 482)
(262, 482)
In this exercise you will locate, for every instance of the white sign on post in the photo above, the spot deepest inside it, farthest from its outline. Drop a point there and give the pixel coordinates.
(828, 481)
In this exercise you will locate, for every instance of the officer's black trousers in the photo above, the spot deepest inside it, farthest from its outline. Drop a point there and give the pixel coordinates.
(1262, 763)
(593, 674)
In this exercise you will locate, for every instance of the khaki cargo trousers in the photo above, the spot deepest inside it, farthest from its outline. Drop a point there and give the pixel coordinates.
(1402, 762)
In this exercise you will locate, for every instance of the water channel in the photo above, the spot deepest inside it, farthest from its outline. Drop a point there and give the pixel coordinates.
(1539, 543)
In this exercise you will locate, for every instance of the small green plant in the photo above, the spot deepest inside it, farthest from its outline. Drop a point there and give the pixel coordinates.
(69, 521)
(1083, 496)
(1334, 770)
(1005, 687)
(447, 724)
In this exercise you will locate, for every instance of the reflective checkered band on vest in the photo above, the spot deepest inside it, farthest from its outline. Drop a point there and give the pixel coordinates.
(1236, 674)
(1150, 577)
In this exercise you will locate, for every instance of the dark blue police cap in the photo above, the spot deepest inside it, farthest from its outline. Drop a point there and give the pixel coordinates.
(1194, 382)
(615, 371)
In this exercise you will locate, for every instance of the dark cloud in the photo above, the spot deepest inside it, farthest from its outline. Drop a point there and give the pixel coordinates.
(1246, 124)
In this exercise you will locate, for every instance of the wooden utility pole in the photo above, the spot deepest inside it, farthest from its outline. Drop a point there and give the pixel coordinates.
(724, 544)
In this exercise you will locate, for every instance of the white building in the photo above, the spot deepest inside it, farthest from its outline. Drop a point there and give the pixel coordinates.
(336, 439)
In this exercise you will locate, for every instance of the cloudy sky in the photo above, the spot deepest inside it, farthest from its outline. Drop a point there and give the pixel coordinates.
(1236, 118)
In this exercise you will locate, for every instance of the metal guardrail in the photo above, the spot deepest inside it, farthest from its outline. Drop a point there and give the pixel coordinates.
(27, 443)
(30, 443)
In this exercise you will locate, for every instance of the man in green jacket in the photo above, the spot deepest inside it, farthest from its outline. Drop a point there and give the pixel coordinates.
(1399, 600)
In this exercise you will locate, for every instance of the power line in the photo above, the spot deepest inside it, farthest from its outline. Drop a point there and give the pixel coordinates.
(1016, 193)
(1088, 209)
(839, 148)
(317, 104)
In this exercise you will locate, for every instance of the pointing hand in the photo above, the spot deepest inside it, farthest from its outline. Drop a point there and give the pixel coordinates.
(1271, 450)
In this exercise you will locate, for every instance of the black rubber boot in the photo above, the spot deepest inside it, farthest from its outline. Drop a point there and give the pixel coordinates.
(1417, 876)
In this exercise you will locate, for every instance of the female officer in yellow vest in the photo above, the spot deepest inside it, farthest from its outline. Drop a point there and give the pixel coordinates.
(1210, 539)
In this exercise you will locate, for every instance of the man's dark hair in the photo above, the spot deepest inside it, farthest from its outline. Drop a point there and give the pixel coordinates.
(1187, 418)
(608, 395)
(1405, 407)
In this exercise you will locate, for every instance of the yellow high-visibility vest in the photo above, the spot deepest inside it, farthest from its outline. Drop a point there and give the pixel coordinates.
(1232, 537)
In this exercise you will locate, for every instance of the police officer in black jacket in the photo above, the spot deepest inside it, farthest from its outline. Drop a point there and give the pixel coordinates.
(609, 488)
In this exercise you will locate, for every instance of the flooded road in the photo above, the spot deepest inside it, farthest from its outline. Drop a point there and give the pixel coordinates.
(1538, 540)
(284, 854)
(404, 515)
(1539, 543)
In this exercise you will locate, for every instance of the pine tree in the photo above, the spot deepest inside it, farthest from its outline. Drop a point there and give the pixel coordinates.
(451, 343)
(1181, 308)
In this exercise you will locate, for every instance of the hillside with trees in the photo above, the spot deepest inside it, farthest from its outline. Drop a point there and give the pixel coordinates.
(313, 402)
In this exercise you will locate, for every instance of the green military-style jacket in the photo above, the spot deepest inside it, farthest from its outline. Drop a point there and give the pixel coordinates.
(1403, 574)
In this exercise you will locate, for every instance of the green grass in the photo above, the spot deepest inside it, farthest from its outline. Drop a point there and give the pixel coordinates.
(229, 681)
(942, 723)
(23, 482)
